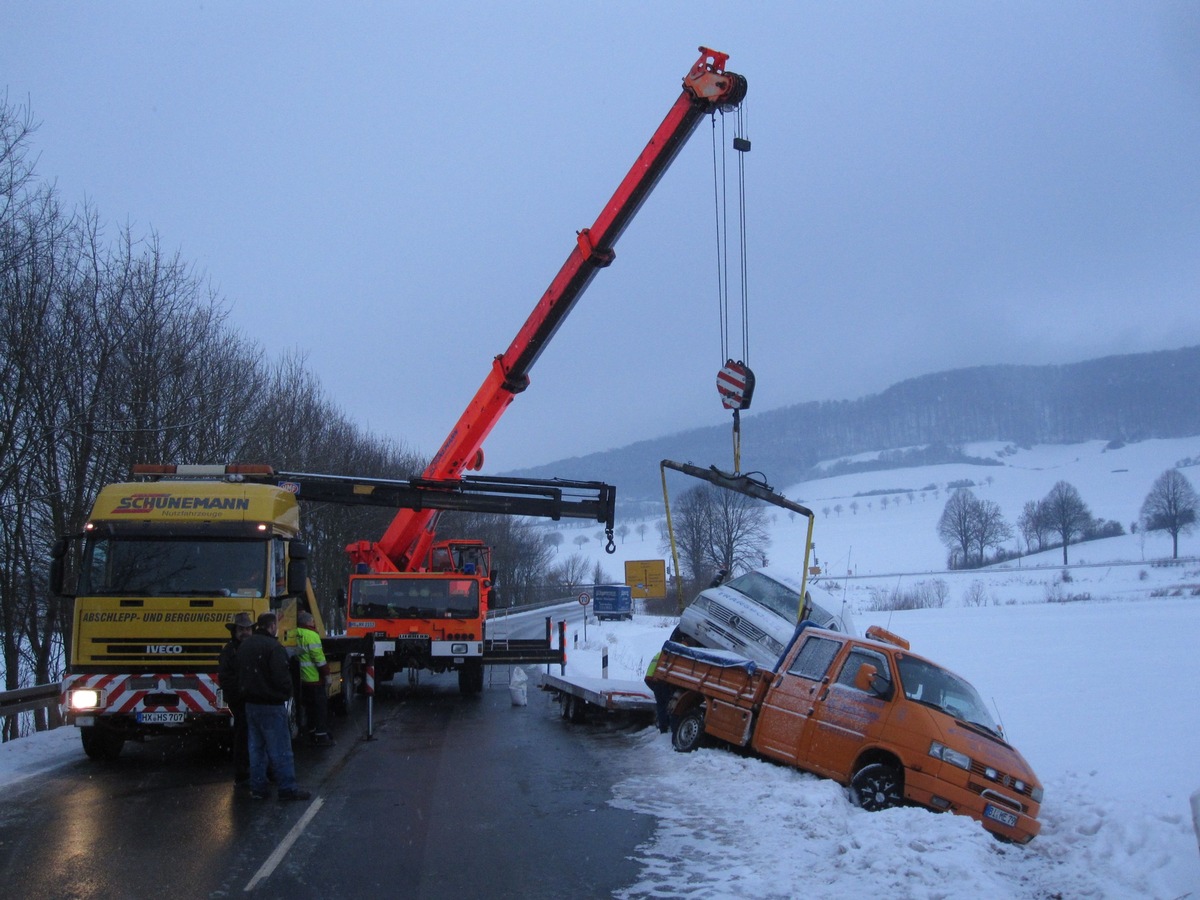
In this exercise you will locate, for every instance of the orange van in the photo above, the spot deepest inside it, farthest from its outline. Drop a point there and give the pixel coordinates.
(866, 712)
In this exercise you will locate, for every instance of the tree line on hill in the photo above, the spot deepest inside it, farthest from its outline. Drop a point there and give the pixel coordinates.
(926, 421)
(970, 527)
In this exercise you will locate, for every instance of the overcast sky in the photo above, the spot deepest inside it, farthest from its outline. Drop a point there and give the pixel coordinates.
(390, 188)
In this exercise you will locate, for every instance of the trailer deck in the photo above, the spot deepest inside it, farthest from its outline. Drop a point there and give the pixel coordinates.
(579, 693)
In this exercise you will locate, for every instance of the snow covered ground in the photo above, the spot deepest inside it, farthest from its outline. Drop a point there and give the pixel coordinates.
(1094, 678)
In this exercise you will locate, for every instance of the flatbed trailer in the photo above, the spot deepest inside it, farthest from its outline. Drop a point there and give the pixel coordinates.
(580, 693)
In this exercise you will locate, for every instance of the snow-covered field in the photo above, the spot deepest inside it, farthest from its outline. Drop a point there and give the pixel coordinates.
(1094, 678)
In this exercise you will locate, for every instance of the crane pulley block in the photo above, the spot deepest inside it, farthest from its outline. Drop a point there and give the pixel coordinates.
(735, 384)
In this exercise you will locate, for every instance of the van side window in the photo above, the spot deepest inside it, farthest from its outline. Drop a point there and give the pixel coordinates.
(813, 660)
(857, 658)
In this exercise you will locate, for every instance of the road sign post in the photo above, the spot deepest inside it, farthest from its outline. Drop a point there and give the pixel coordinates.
(584, 599)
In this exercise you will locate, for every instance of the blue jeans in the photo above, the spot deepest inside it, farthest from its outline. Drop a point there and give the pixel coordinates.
(270, 741)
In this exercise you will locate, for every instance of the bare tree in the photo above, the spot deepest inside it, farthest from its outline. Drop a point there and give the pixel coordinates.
(1171, 507)
(956, 527)
(570, 573)
(1033, 526)
(1065, 514)
(990, 528)
(718, 529)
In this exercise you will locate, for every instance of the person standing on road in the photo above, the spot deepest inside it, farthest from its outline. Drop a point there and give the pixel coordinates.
(227, 675)
(266, 685)
(314, 680)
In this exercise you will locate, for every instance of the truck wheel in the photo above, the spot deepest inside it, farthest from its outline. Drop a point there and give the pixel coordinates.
(688, 733)
(346, 696)
(100, 744)
(470, 679)
(877, 786)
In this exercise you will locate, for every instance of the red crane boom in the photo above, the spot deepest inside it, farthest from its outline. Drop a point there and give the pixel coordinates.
(707, 88)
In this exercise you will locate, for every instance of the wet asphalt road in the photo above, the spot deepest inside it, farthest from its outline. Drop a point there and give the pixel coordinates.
(453, 797)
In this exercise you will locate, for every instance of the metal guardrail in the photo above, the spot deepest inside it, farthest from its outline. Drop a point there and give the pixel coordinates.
(40, 696)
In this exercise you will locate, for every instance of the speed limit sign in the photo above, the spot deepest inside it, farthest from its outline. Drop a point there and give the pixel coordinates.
(585, 598)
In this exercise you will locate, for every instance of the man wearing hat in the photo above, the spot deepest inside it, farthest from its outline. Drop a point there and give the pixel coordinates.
(227, 674)
(266, 682)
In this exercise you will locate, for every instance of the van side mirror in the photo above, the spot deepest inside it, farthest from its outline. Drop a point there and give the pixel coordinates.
(868, 680)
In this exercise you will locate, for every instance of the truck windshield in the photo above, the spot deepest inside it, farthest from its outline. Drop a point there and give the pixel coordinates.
(400, 597)
(144, 567)
(768, 592)
(934, 686)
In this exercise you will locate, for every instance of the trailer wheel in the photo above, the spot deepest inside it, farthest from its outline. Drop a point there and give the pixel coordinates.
(99, 743)
(574, 709)
(688, 734)
(877, 786)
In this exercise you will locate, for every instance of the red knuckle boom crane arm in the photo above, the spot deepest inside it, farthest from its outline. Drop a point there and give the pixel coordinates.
(707, 88)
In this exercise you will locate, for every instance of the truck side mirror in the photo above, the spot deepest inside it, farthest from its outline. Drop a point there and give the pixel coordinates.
(58, 565)
(297, 571)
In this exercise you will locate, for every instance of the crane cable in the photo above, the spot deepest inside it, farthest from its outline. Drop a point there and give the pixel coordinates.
(735, 380)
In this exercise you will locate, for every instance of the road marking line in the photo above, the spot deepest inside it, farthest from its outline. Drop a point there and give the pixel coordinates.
(285, 845)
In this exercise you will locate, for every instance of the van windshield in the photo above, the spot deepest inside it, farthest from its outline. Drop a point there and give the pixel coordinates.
(934, 686)
(768, 592)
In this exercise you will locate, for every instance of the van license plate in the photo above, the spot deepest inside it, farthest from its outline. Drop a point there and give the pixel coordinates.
(1003, 816)
(160, 718)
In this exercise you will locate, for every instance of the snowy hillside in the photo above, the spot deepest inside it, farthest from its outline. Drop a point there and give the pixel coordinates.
(901, 537)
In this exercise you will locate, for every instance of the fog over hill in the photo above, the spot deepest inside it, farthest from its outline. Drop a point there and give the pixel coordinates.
(925, 420)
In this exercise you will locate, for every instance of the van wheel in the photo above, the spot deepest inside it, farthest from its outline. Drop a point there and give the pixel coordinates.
(688, 733)
(877, 786)
(99, 743)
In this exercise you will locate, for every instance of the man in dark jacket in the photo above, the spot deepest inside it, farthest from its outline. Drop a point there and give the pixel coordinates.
(227, 674)
(266, 684)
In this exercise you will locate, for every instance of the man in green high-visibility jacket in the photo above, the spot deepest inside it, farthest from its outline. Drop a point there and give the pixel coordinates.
(314, 678)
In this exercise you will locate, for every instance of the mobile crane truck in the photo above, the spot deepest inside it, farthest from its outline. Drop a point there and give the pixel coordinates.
(430, 630)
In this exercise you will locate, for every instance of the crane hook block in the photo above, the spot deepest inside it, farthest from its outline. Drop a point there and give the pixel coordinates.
(735, 384)
(741, 144)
